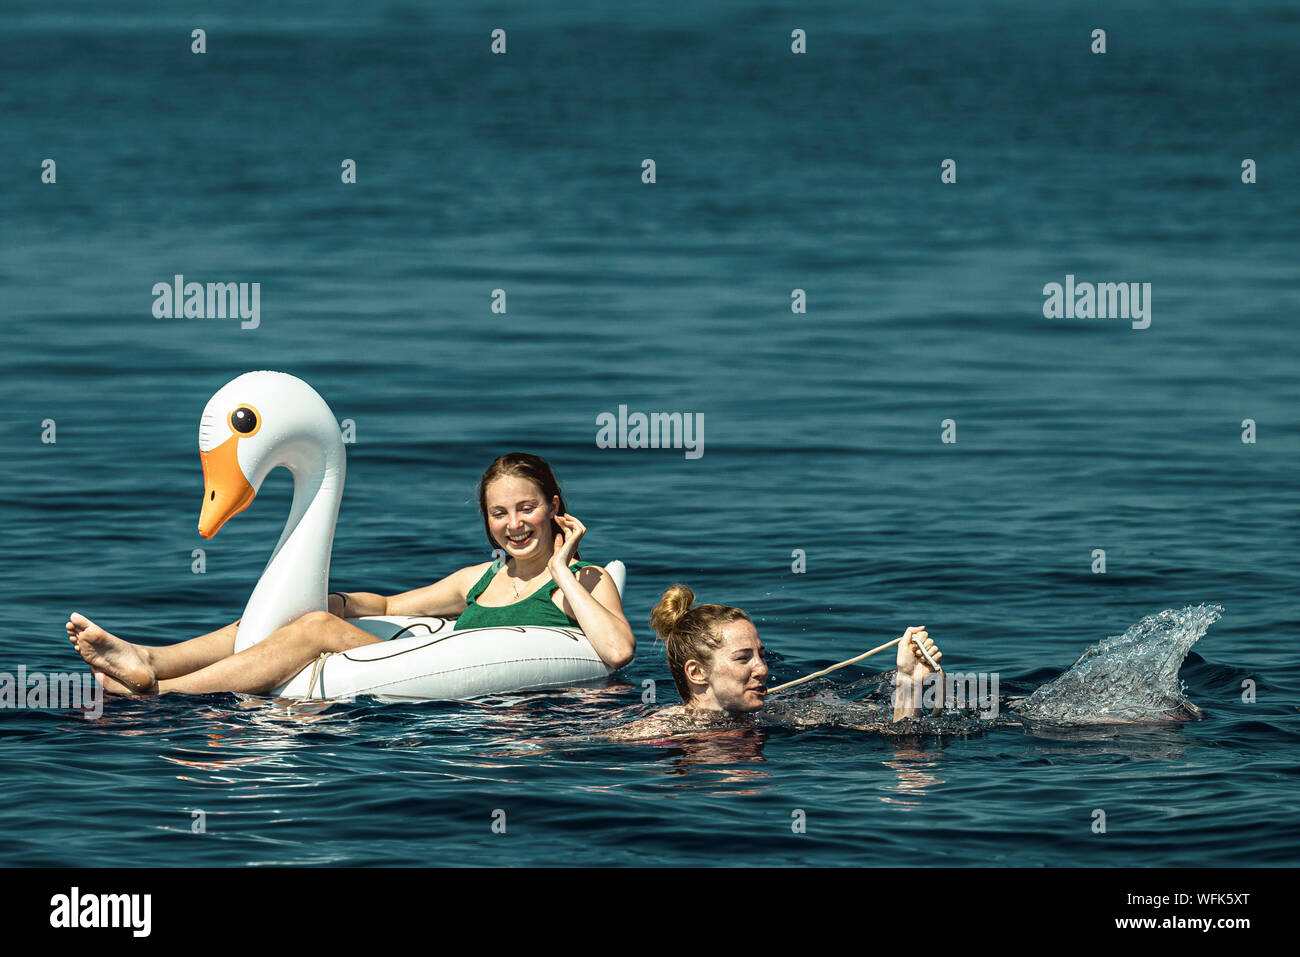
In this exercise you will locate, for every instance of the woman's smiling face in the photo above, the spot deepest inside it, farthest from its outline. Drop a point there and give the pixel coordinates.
(519, 518)
(736, 674)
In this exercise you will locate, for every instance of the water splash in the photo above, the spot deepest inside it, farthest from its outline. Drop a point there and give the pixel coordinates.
(865, 705)
(1131, 677)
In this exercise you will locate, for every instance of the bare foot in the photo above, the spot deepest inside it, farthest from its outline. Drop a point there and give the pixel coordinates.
(110, 685)
(117, 660)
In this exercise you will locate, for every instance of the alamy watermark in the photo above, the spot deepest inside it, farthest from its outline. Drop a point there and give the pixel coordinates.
(179, 299)
(953, 689)
(77, 909)
(1103, 300)
(656, 430)
(56, 690)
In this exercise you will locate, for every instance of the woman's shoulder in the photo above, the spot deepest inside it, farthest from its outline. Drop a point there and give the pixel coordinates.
(659, 725)
(588, 571)
(471, 575)
(589, 574)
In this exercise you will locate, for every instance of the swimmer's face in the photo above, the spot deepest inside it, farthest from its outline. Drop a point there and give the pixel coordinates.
(737, 673)
(519, 517)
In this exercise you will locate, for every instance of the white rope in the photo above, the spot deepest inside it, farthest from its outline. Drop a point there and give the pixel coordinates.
(315, 672)
(852, 661)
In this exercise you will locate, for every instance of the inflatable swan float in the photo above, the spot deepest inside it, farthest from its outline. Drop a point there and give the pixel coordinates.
(261, 420)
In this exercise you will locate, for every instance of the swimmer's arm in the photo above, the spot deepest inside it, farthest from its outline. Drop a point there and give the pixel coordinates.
(592, 598)
(445, 598)
(914, 666)
(909, 696)
(905, 697)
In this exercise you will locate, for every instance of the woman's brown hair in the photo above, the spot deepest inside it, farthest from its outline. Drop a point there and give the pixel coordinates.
(689, 632)
(522, 465)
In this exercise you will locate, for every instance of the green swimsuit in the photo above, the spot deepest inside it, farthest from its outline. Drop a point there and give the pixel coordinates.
(535, 609)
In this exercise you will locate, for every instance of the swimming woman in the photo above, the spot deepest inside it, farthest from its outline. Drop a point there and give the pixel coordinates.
(719, 665)
(541, 581)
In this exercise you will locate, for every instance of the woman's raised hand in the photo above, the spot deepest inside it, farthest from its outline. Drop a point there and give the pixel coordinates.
(911, 663)
(566, 543)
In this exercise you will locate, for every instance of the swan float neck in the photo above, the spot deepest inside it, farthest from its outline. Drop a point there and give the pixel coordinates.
(252, 425)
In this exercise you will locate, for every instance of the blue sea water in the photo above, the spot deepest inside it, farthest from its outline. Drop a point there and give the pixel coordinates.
(775, 172)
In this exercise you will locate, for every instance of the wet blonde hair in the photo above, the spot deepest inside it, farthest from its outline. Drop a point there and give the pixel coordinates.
(690, 632)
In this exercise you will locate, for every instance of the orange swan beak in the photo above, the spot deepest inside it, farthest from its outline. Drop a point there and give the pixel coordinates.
(226, 492)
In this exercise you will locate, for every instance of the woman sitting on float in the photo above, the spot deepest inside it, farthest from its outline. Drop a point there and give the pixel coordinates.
(524, 515)
(719, 665)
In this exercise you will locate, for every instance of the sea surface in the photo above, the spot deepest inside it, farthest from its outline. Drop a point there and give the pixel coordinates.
(823, 430)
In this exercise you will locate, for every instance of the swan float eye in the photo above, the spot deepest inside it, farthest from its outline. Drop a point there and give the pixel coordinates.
(245, 421)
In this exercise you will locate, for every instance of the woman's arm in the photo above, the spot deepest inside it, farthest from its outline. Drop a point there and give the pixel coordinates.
(591, 597)
(355, 604)
(445, 598)
(913, 669)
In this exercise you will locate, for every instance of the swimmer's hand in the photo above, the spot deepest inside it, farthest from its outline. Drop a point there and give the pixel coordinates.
(913, 669)
(911, 663)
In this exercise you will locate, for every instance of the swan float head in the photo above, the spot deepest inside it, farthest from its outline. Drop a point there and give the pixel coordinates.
(251, 425)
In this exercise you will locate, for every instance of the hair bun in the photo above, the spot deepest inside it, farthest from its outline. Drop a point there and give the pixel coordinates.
(672, 608)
